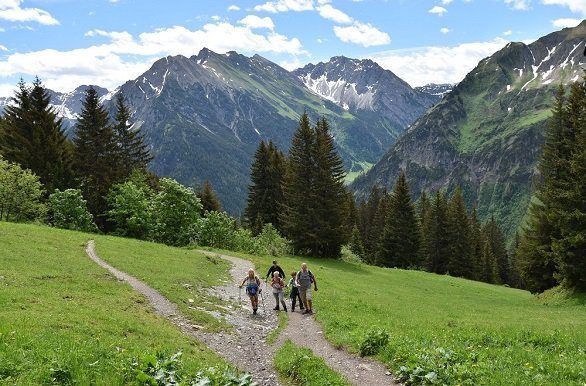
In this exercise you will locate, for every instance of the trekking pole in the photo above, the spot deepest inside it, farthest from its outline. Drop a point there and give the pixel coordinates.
(263, 302)
(239, 296)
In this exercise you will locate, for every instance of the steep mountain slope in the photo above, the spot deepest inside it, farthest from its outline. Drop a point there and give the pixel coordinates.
(486, 134)
(436, 91)
(362, 86)
(205, 115)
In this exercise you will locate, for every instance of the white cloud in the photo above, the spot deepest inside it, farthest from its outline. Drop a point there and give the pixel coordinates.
(578, 6)
(425, 65)
(125, 56)
(253, 21)
(363, 34)
(566, 23)
(507, 33)
(521, 5)
(446, 2)
(3, 48)
(10, 10)
(438, 10)
(285, 6)
(444, 30)
(328, 12)
(292, 65)
(233, 8)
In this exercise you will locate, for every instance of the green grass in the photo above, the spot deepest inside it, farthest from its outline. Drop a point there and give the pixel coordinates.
(65, 320)
(283, 320)
(180, 275)
(456, 330)
(298, 366)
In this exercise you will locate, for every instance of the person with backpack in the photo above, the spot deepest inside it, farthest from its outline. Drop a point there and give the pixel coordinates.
(252, 289)
(275, 268)
(304, 279)
(294, 295)
(278, 284)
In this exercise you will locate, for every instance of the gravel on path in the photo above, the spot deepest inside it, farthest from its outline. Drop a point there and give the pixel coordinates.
(246, 347)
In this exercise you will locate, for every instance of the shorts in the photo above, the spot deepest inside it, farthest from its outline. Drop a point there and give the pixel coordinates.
(305, 294)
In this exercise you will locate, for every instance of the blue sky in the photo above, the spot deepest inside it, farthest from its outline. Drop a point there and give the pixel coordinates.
(68, 43)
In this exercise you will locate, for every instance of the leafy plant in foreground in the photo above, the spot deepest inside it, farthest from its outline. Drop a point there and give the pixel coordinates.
(375, 340)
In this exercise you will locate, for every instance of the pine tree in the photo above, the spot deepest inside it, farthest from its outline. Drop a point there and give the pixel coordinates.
(265, 192)
(488, 272)
(314, 214)
(461, 262)
(438, 246)
(401, 239)
(208, 198)
(134, 152)
(298, 210)
(496, 241)
(330, 196)
(355, 243)
(366, 214)
(35, 137)
(477, 240)
(96, 155)
(536, 259)
(423, 213)
(569, 248)
(16, 143)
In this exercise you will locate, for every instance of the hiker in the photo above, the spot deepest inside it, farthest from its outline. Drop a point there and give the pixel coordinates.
(252, 289)
(278, 284)
(274, 268)
(294, 295)
(304, 278)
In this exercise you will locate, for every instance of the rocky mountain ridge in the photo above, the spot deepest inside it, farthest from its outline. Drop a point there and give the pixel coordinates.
(486, 134)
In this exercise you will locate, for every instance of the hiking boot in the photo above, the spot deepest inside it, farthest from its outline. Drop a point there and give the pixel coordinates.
(292, 309)
(254, 311)
(305, 312)
(301, 308)
(276, 308)
(285, 309)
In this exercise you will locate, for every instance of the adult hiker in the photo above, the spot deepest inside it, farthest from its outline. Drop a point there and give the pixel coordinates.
(303, 280)
(275, 268)
(294, 295)
(278, 284)
(252, 289)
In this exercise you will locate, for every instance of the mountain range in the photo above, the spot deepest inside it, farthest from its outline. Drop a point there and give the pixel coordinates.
(204, 116)
(486, 134)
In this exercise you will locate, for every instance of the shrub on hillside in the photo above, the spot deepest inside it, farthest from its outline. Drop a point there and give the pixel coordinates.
(216, 230)
(130, 211)
(20, 193)
(270, 242)
(68, 210)
(376, 339)
(175, 212)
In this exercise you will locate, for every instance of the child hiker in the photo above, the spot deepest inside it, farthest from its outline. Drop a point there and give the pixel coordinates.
(294, 295)
(278, 284)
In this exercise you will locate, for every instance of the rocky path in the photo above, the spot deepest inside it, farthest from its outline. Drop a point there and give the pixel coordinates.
(247, 347)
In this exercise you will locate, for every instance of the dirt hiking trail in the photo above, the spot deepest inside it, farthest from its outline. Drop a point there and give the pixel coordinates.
(246, 347)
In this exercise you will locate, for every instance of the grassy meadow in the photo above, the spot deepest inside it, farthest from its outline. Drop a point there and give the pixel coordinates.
(65, 320)
(446, 330)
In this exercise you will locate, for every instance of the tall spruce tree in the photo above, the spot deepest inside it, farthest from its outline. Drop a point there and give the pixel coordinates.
(488, 272)
(330, 196)
(438, 245)
(477, 240)
(401, 239)
(569, 248)
(423, 214)
(265, 192)
(367, 211)
(35, 138)
(496, 241)
(536, 259)
(133, 151)
(96, 155)
(461, 262)
(298, 209)
(314, 214)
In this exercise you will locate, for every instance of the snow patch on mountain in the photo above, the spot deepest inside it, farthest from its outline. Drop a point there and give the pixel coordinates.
(340, 91)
